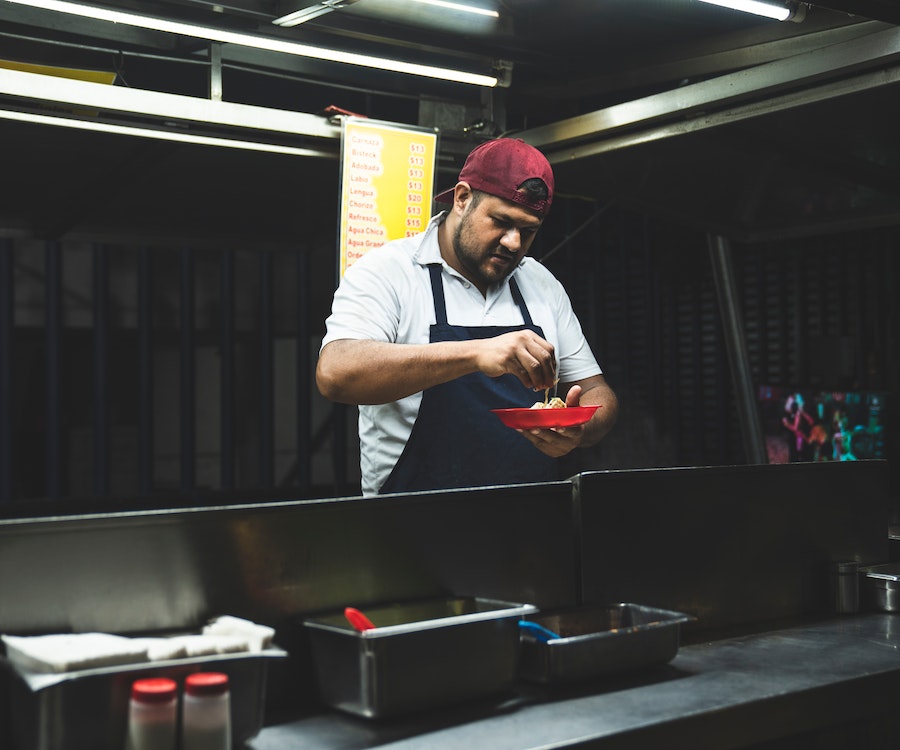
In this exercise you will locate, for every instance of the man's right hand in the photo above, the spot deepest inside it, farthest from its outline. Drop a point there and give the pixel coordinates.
(521, 353)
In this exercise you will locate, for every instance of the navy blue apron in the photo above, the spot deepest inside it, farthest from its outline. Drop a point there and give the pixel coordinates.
(456, 441)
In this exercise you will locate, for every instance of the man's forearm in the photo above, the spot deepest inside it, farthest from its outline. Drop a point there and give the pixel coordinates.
(376, 372)
(604, 418)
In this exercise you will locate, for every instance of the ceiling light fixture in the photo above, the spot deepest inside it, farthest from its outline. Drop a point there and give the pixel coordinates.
(259, 42)
(242, 126)
(164, 135)
(87, 95)
(778, 11)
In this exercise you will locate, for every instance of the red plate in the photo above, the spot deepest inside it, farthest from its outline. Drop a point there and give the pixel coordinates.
(527, 419)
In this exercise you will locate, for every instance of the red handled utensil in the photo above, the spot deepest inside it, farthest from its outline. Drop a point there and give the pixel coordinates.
(357, 619)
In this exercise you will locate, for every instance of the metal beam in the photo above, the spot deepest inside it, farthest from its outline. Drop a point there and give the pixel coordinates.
(695, 62)
(649, 128)
(793, 74)
(739, 361)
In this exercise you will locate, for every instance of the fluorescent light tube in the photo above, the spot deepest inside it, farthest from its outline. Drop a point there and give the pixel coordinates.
(778, 12)
(259, 42)
(67, 92)
(461, 7)
(165, 135)
(101, 97)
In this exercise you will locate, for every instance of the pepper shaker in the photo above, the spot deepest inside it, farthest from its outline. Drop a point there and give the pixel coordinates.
(206, 712)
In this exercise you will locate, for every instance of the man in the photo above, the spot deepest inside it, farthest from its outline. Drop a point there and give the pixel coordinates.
(427, 334)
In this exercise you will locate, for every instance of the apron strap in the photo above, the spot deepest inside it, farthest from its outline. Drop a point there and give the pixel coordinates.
(520, 301)
(437, 291)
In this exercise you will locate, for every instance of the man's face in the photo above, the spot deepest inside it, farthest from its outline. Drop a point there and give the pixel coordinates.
(492, 236)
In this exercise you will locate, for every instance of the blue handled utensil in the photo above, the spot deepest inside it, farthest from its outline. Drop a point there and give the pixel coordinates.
(538, 631)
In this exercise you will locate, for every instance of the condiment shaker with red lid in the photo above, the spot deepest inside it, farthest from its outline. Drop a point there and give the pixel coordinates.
(152, 714)
(206, 712)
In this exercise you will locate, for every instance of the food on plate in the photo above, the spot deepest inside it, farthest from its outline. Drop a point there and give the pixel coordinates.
(553, 403)
(550, 403)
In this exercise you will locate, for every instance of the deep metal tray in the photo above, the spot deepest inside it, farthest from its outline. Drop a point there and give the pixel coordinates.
(420, 655)
(598, 641)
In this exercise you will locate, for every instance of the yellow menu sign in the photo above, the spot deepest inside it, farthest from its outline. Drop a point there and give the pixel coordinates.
(387, 184)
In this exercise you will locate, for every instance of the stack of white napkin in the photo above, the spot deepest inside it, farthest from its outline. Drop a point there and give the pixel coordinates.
(70, 652)
(257, 637)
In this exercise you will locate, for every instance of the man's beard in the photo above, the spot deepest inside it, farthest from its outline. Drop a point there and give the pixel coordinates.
(471, 260)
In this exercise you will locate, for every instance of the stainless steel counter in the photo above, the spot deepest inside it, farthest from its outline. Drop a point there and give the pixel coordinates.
(839, 675)
(734, 546)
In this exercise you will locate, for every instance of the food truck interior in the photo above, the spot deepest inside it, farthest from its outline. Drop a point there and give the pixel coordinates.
(726, 222)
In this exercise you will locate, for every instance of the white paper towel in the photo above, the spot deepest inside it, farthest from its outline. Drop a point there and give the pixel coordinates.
(68, 652)
(258, 636)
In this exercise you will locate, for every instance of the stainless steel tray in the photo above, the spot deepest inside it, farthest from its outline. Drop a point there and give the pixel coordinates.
(420, 655)
(598, 641)
(881, 587)
(89, 708)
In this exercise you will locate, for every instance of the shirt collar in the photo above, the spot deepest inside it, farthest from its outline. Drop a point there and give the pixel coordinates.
(429, 251)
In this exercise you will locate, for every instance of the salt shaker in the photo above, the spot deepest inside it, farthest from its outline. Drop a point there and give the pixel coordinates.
(206, 712)
(152, 714)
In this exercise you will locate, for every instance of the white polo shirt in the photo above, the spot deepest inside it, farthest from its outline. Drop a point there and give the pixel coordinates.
(386, 296)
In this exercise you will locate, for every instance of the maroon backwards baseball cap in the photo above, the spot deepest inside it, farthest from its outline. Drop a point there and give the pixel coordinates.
(499, 167)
